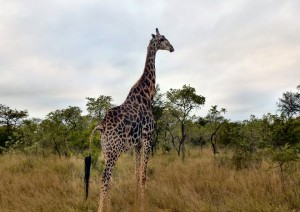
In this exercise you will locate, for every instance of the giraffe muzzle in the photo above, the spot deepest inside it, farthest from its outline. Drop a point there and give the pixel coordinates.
(171, 49)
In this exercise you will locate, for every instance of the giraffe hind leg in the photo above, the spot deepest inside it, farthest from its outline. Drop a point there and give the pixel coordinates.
(143, 170)
(105, 181)
(137, 172)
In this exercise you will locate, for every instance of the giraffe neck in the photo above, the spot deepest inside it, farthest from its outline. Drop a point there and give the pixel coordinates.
(149, 76)
(145, 86)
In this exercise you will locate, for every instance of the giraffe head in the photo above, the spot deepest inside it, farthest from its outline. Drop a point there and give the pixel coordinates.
(161, 42)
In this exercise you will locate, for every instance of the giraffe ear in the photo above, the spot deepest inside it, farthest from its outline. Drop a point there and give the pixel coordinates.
(157, 32)
(153, 36)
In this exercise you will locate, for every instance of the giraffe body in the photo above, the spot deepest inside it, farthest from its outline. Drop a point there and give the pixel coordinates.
(131, 124)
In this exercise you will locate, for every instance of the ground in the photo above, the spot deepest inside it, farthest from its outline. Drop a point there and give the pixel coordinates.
(201, 183)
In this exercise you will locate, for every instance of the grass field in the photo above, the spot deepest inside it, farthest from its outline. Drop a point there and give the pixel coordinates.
(201, 183)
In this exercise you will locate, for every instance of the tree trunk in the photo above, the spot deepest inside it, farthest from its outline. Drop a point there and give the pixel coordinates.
(56, 148)
(182, 140)
(213, 144)
(173, 142)
(183, 150)
(152, 148)
(213, 138)
(153, 143)
(179, 148)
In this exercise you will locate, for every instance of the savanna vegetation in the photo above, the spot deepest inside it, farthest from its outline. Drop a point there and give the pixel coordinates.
(198, 163)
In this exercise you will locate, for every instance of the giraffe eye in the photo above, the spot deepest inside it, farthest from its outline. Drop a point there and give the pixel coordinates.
(162, 39)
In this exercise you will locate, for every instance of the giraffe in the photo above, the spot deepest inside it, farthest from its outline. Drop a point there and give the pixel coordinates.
(131, 124)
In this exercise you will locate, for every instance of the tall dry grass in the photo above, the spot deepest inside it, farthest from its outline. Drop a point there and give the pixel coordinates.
(201, 183)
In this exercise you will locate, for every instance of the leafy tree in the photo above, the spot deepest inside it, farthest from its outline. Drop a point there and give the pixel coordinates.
(215, 120)
(245, 144)
(283, 130)
(289, 103)
(253, 133)
(158, 106)
(282, 157)
(195, 133)
(202, 121)
(30, 135)
(10, 119)
(277, 131)
(97, 107)
(214, 115)
(228, 133)
(244, 139)
(180, 103)
(171, 130)
(63, 128)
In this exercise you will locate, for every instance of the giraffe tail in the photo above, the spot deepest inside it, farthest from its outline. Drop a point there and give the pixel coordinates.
(87, 171)
(88, 162)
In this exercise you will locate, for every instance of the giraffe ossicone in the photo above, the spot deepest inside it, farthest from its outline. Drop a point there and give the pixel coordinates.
(131, 124)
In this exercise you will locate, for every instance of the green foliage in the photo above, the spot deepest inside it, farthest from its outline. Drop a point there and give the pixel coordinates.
(214, 122)
(244, 139)
(243, 158)
(10, 120)
(166, 148)
(285, 132)
(30, 135)
(182, 101)
(195, 134)
(289, 103)
(97, 107)
(284, 155)
(276, 131)
(244, 152)
(63, 131)
(214, 115)
(66, 131)
(158, 106)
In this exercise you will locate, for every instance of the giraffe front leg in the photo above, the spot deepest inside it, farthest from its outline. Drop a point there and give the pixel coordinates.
(143, 172)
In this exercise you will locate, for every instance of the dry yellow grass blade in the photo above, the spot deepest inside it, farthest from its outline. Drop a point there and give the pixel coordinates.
(36, 183)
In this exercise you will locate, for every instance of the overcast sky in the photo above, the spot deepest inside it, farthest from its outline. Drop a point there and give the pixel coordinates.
(240, 54)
